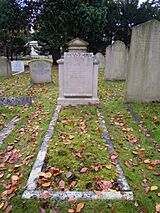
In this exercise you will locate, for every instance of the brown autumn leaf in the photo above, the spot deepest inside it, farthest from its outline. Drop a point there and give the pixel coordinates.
(79, 207)
(113, 157)
(71, 137)
(45, 195)
(127, 163)
(15, 178)
(98, 193)
(73, 183)
(8, 209)
(78, 154)
(48, 175)
(71, 210)
(1, 174)
(72, 200)
(157, 207)
(84, 170)
(46, 184)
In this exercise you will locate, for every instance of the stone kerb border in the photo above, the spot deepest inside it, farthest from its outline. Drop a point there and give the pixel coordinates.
(31, 192)
(8, 129)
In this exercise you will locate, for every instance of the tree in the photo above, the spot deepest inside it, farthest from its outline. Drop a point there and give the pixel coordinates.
(57, 22)
(13, 28)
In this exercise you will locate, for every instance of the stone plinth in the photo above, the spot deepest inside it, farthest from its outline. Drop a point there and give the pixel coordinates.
(78, 78)
(5, 67)
(40, 71)
(116, 61)
(100, 58)
(143, 78)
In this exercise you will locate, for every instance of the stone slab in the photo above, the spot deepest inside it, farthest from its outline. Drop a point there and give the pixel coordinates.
(116, 61)
(100, 58)
(17, 66)
(41, 71)
(5, 67)
(143, 78)
(14, 101)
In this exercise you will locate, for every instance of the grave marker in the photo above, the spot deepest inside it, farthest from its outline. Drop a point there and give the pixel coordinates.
(5, 67)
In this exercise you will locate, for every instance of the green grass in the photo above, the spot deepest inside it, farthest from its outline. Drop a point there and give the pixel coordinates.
(132, 146)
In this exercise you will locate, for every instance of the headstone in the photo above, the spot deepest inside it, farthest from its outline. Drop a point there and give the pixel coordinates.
(116, 61)
(40, 71)
(143, 78)
(100, 58)
(15, 101)
(17, 66)
(5, 67)
(78, 75)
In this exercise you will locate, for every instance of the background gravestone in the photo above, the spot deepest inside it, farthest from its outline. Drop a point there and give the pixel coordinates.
(100, 58)
(40, 71)
(116, 61)
(5, 67)
(143, 79)
(78, 75)
(17, 66)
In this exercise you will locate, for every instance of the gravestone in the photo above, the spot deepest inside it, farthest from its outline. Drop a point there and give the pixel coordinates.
(78, 75)
(5, 67)
(143, 78)
(17, 66)
(116, 61)
(100, 58)
(40, 71)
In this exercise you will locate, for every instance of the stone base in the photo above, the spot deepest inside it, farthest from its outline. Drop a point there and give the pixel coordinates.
(77, 101)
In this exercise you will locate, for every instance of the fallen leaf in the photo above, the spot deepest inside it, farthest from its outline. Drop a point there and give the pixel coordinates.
(1, 205)
(47, 175)
(98, 193)
(157, 207)
(84, 170)
(153, 188)
(71, 137)
(71, 210)
(79, 207)
(1, 174)
(72, 200)
(109, 166)
(45, 195)
(127, 163)
(47, 184)
(8, 209)
(15, 178)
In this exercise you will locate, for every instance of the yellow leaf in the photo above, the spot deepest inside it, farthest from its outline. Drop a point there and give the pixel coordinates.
(79, 207)
(47, 184)
(109, 166)
(15, 177)
(153, 188)
(71, 210)
(1, 205)
(48, 175)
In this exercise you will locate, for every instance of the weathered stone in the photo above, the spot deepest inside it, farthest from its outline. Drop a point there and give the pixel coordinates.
(14, 101)
(100, 58)
(17, 66)
(77, 45)
(78, 78)
(5, 67)
(41, 71)
(116, 61)
(143, 79)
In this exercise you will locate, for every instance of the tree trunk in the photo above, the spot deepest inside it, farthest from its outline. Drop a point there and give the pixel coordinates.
(56, 54)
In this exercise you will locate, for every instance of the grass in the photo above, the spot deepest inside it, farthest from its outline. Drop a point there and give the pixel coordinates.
(137, 155)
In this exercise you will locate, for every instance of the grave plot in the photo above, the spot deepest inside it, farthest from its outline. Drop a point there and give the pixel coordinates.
(20, 147)
(77, 163)
(137, 154)
(14, 85)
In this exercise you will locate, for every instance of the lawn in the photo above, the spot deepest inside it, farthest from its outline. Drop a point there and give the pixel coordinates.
(78, 146)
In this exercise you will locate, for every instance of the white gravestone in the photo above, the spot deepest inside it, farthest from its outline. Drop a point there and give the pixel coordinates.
(100, 58)
(143, 78)
(116, 61)
(5, 67)
(17, 66)
(78, 77)
(40, 71)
